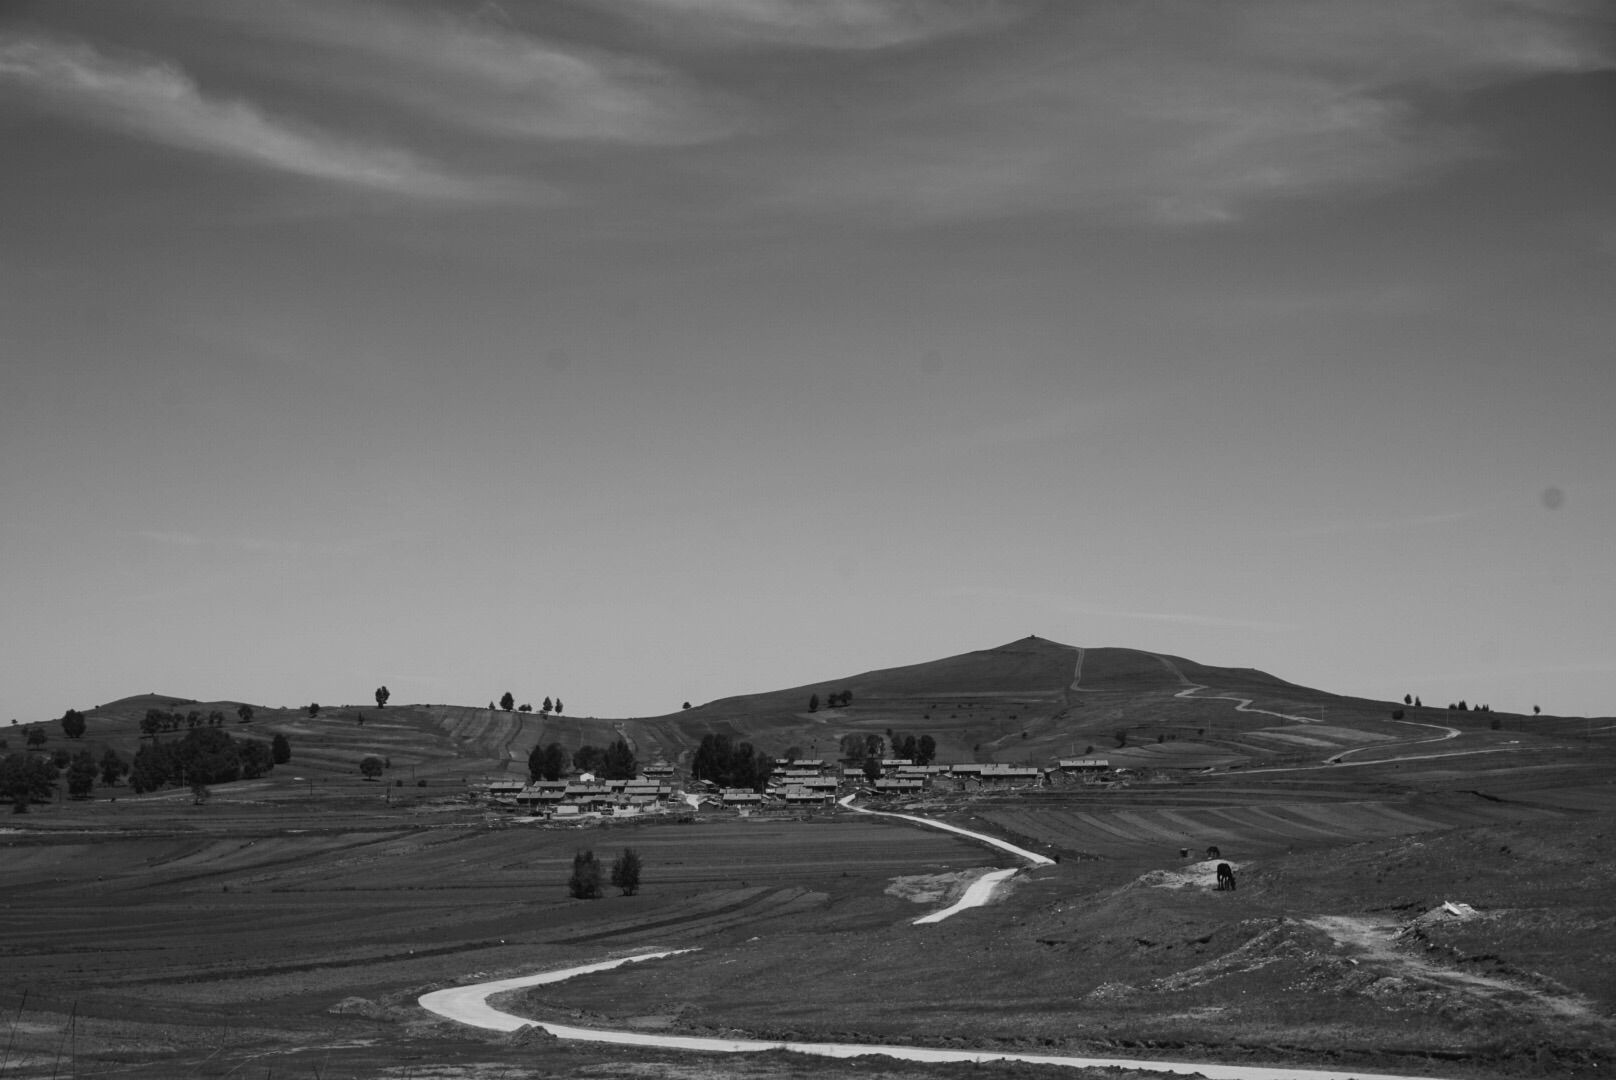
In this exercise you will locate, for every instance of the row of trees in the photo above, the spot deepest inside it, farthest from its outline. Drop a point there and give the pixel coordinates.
(720, 761)
(856, 748)
(614, 762)
(159, 720)
(585, 881)
(832, 701)
(507, 702)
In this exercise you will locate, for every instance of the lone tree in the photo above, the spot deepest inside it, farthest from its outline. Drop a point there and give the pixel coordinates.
(813, 702)
(73, 724)
(507, 702)
(546, 706)
(280, 749)
(245, 714)
(371, 767)
(36, 737)
(626, 872)
(382, 694)
(585, 881)
(314, 708)
(559, 708)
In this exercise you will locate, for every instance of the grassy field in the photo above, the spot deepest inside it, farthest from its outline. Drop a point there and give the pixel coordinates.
(286, 927)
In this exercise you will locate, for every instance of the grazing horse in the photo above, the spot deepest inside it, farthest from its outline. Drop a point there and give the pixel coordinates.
(1225, 877)
(1212, 852)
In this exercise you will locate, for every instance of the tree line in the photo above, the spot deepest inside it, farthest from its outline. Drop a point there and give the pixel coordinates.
(614, 762)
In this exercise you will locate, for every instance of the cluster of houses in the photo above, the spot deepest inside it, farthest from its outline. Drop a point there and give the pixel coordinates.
(795, 782)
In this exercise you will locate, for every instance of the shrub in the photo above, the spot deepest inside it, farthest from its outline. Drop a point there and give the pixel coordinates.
(626, 872)
(584, 884)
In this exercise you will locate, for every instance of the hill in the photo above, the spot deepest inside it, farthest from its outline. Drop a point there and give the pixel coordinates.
(1029, 701)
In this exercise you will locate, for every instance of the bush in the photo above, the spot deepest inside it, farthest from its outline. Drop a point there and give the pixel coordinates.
(584, 884)
(626, 872)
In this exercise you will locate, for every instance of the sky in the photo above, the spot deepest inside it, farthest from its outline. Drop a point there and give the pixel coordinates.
(647, 351)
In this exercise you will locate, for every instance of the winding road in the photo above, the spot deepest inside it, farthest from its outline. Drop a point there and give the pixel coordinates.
(469, 1005)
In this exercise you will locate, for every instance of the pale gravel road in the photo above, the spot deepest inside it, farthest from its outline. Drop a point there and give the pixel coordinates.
(469, 1005)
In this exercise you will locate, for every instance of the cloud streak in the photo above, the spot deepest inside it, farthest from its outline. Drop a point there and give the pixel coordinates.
(1187, 113)
(485, 75)
(824, 24)
(159, 101)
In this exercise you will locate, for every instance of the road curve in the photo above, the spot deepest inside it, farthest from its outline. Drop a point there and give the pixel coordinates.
(469, 1005)
(982, 889)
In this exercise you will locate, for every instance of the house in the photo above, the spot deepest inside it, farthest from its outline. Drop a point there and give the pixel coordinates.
(1084, 764)
(505, 789)
(741, 797)
(659, 771)
(1011, 775)
(542, 793)
(802, 796)
(906, 786)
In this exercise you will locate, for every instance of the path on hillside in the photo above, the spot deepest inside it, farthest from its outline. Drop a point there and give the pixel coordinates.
(1447, 733)
(983, 888)
(469, 1005)
(1376, 942)
(1243, 703)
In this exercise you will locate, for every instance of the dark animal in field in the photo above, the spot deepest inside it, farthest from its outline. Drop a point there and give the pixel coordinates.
(1212, 852)
(1225, 877)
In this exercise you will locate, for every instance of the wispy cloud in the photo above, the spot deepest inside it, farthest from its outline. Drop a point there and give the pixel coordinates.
(159, 101)
(837, 24)
(486, 75)
(1190, 113)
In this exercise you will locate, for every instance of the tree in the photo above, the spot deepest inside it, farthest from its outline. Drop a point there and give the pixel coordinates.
(1536, 710)
(872, 769)
(1418, 704)
(200, 793)
(589, 759)
(619, 762)
(813, 703)
(585, 881)
(25, 779)
(73, 724)
(382, 694)
(686, 705)
(525, 707)
(152, 768)
(256, 759)
(546, 706)
(280, 749)
(793, 753)
(81, 775)
(925, 750)
(1408, 699)
(626, 872)
(113, 767)
(506, 701)
(560, 708)
(371, 766)
(547, 762)
(36, 737)
(245, 714)
(152, 723)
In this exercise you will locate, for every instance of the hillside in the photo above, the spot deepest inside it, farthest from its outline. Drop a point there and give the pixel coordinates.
(1028, 701)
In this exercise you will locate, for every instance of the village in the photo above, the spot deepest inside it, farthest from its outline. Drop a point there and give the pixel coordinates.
(795, 784)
